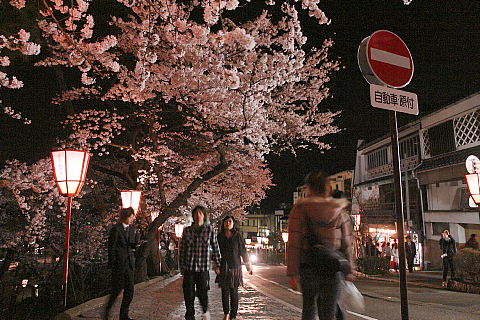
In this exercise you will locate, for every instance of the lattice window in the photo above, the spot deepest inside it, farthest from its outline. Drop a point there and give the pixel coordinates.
(467, 129)
(426, 144)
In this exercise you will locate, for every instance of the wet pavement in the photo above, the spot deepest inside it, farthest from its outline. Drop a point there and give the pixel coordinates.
(164, 301)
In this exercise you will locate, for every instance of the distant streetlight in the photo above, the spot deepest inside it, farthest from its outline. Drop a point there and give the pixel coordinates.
(285, 240)
(69, 171)
(131, 199)
(178, 233)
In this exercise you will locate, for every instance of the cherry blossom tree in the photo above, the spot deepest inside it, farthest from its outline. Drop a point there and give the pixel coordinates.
(183, 99)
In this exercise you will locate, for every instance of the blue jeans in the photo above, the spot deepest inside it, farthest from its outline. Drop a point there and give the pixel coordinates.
(320, 295)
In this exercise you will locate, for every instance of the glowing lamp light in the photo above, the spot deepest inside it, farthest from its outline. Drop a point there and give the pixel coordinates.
(179, 230)
(473, 182)
(70, 169)
(285, 237)
(131, 199)
(154, 214)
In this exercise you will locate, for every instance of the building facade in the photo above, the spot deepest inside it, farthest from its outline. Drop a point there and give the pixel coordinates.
(433, 150)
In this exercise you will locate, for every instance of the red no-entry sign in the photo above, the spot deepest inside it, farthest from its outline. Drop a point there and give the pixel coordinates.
(384, 59)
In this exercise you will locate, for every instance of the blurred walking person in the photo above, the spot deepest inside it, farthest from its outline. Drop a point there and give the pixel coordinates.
(232, 250)
(317, 220)
(198, 247)
(448, 247)
(121, 260)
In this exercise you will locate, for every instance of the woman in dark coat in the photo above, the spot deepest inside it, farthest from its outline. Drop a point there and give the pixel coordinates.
(448, 247)
(232, 249)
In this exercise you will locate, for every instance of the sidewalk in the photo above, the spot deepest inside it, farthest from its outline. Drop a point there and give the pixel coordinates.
(163, 300)
(429, 279)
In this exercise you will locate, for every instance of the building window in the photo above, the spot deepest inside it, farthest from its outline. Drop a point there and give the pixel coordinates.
(441, 138)
(439, 227)
(467, 129)
(409, 147)
(377, 158)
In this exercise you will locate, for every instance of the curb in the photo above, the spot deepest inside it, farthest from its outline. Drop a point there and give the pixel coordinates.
(416, 284)
(76, 311)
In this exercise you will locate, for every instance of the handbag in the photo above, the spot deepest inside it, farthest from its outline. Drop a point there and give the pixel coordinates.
(350, 298)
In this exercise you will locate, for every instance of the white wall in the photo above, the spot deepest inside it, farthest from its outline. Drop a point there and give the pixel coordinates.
(445, 195)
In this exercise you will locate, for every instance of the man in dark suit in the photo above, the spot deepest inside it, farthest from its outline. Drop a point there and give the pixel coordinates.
(410, 252)
(121, 260)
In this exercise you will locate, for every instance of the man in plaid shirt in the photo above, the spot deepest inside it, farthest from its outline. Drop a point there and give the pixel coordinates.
(198, 246)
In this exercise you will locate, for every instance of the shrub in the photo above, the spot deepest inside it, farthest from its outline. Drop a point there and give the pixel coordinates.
(373, 265)
(467, 265)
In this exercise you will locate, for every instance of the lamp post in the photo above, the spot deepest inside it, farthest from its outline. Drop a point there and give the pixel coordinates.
(285, 240)
(154, 215)
(69, 171)
(178, 233)
(131, 199)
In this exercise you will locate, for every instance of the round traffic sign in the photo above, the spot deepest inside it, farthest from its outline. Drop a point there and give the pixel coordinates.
(385, 59)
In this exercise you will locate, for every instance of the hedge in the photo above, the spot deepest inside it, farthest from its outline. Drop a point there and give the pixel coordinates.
(373, 265)
(467, 265)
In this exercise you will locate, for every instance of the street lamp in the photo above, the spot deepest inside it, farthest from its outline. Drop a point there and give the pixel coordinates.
(131, 199)
(178, 233)
(69, 171)
(285, 240)
(473, 178)
(473, 182)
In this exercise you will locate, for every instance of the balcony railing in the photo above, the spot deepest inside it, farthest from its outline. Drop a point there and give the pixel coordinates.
(406, 164)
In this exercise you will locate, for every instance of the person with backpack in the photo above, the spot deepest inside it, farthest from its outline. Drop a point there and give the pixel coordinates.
(319, 252)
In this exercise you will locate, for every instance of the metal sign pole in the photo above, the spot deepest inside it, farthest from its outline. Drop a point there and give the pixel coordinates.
(399, 210)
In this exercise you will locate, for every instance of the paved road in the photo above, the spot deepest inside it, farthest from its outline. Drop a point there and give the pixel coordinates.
(381, 298)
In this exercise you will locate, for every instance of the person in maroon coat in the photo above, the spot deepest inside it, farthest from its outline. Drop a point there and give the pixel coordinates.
(321, 217)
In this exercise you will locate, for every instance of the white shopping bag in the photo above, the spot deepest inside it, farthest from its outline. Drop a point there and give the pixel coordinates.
(350, 298)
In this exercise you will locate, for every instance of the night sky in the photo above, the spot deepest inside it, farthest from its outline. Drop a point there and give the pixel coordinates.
(443, 38)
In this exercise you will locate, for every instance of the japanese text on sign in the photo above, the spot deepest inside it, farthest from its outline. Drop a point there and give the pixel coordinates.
(392, 99)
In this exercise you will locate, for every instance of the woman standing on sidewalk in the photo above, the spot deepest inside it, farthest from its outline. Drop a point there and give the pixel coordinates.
(232, 249)
(395, 258)
(448, 247)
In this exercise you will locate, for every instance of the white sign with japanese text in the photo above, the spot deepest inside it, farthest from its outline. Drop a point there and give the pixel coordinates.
(392, 99)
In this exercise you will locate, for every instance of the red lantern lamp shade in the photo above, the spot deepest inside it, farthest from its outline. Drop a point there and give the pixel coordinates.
(473, 182)
(131, 199)
(285, 237)
(179, 230)
(70, 169)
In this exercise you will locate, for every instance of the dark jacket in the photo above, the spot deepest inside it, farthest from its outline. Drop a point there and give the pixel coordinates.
(325, 220)
(231, 249)
(410, 250)
(121, 257)
(448, 246)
